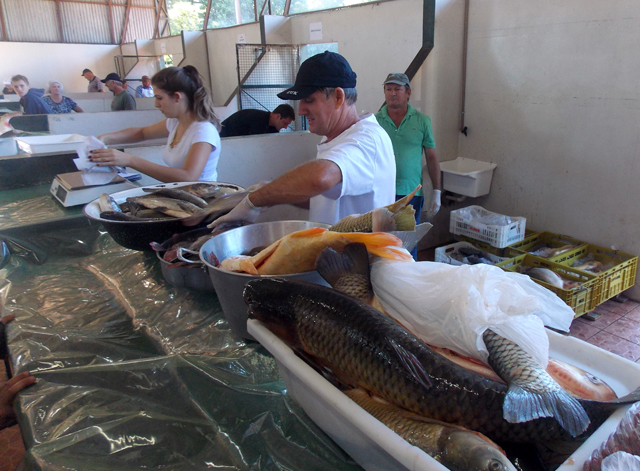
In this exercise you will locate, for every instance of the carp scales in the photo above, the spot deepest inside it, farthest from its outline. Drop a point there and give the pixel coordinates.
(297, 252)
(457, 448)
(532, 393)
(364, 348)
(398, 216)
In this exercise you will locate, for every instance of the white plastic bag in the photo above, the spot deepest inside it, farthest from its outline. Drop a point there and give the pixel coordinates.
(451, 306)
(621, 461)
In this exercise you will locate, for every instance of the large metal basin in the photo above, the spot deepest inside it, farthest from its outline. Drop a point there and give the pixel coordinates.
(228, 285)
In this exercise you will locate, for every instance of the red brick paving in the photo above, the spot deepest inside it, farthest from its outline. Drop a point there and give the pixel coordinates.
(617, 330)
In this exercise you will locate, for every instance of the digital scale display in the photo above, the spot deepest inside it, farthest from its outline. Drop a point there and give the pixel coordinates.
(61, 193)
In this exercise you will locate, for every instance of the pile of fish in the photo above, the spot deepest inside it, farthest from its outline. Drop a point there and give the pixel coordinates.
(196, 202)
(546, 251)
(591, 265)
(550, 277)
(410, 386)
(297, 252)
(470, 256)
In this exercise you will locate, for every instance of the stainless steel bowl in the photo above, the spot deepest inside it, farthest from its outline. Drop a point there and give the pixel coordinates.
(228, 285)
(138, 235)
(193, 276)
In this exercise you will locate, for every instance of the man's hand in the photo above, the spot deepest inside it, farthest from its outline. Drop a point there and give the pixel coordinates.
(434, 207)
(244, 212)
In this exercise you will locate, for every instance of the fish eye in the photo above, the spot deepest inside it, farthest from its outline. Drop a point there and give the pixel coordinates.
(495, 465)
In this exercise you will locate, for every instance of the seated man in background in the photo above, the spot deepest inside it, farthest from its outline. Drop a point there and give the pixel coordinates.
(122, 99)
(95, 84)
(30, 98)
(144, 90)
(248, 122)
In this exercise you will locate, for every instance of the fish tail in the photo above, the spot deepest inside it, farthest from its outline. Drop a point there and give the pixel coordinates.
(405, 219)
(521, 405)
(393, 253)
(332, 265)
(401, 203)
(375, 239)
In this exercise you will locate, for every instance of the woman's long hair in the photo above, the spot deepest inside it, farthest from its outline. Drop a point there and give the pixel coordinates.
(188, 81)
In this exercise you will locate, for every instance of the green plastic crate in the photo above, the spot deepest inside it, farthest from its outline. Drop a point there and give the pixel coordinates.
(621, 276)
(550, 239)
(581, 299)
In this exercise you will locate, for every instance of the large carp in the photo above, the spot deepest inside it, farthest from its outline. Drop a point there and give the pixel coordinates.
(364, 348)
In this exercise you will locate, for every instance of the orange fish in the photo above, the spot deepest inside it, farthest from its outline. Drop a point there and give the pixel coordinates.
(297, 252)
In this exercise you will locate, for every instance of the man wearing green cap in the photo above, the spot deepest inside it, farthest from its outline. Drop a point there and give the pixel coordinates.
(410, 133)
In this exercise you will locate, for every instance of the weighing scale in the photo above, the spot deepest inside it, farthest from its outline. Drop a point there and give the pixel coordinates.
(71, 190)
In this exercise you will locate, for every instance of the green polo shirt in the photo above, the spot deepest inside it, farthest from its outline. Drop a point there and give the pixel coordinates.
(408, 140)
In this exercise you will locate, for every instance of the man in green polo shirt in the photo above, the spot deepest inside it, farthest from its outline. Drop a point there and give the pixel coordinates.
(410, 133)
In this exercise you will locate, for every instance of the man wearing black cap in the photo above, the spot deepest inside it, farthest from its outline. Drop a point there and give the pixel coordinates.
(122, 99)
(95, 85)
(354, 171)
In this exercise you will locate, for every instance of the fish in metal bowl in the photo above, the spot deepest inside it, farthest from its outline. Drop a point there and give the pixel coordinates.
(135, 218)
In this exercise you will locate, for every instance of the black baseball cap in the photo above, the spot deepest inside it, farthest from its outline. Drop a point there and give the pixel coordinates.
(327, 69)
(85, 71)
(112, 76)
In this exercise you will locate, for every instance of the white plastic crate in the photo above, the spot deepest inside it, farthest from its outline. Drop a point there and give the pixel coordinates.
(495, 235)
(444, 254)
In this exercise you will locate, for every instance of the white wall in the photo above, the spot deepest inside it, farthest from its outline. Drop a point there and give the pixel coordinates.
(553, 99)
(42, 62)
(223, 68)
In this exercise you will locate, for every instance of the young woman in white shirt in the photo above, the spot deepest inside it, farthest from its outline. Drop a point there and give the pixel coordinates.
(193, 145)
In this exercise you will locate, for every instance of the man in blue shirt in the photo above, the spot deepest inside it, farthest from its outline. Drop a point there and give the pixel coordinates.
(30, 98)
(144, 90)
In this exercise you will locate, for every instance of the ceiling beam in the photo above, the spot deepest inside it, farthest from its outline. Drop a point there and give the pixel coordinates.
(2, 27)
(126, 22)
(206, 16)
(59, 18)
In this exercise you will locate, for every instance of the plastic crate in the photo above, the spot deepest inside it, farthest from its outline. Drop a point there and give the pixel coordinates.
(550, 239)
(443, 254)
(621, 276)
(484, 246)
(494, 235)
(581, 299)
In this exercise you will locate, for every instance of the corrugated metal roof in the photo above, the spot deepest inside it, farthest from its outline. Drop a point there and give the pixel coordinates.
(31, 20)
(82, 21)
(141, 24)
(85, 23)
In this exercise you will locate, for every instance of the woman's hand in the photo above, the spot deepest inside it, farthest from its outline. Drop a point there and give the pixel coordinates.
(106, 157)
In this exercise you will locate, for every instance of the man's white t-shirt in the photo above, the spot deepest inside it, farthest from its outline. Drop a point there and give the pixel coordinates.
(199, 131)
(365, 156)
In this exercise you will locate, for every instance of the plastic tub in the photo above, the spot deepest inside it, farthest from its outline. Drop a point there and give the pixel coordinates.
(51, 143)
(377, 448)
(467, 177)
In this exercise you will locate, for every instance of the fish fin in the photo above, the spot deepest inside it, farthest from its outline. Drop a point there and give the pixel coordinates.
(382, 220)
(307, 232)
(259, 258)
(374, 239)
(333, 265)
(401, 203)
(406, 219)
(521, 405)
(412, 364)
(393, 253)
(411, 238)
(239, 264)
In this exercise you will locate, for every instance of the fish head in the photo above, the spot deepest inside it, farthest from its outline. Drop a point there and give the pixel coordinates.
(269, 300)
(470, 451)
